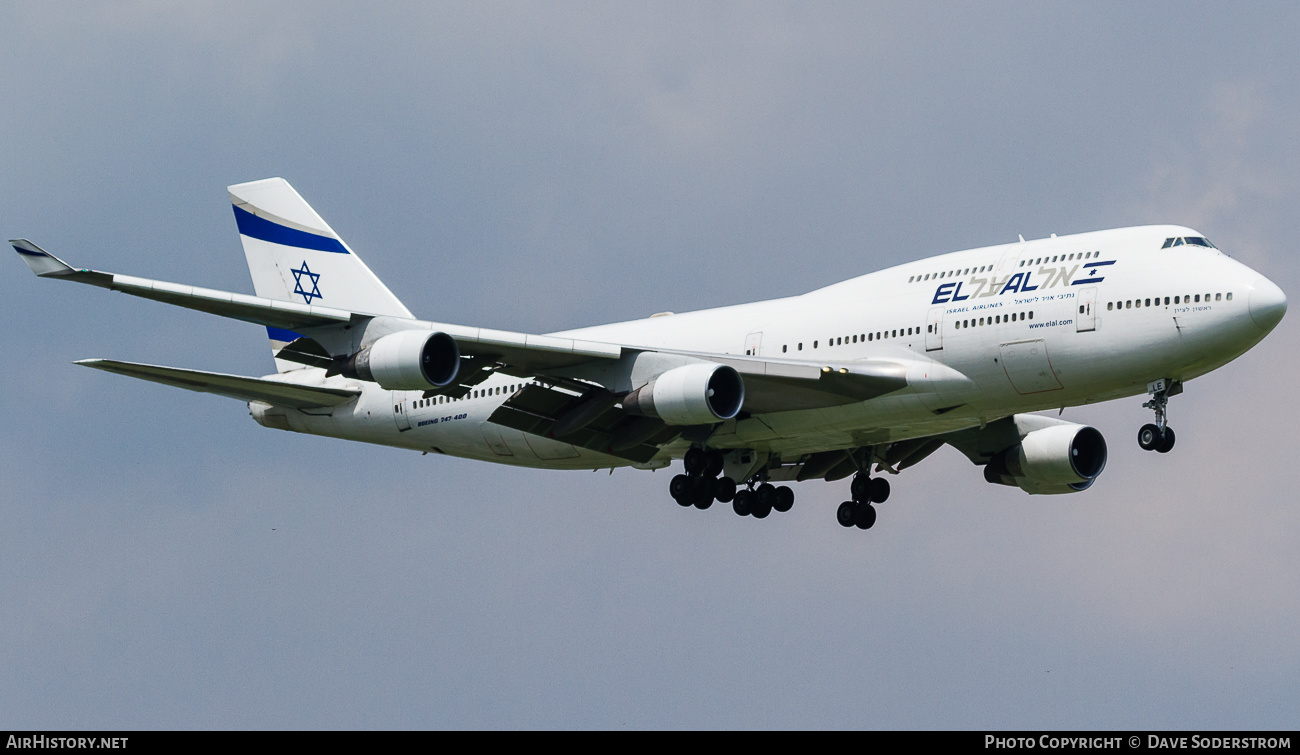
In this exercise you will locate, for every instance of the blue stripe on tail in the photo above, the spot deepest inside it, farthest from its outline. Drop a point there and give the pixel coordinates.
(258, 227)
(277, 334)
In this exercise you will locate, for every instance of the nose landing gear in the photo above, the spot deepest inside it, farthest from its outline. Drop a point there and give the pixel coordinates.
(1159, 437)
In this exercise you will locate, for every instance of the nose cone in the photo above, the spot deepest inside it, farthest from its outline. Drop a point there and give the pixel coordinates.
(1267, 304)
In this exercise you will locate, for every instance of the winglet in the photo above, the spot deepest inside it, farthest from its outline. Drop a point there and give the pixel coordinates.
(46, 265)
(40, 261)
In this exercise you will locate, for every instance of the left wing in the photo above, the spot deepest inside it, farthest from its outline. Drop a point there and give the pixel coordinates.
(275, 392)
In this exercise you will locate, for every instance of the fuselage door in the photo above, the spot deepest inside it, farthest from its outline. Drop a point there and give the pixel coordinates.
(400, 416)
(1086, 309)
(934, 329)
(752, 343)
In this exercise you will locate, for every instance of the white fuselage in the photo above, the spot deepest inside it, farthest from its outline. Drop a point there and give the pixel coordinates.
(1034, 325)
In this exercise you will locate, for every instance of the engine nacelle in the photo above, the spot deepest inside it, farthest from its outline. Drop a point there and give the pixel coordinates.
(408, 360)
(694, 394)
(1057, 459)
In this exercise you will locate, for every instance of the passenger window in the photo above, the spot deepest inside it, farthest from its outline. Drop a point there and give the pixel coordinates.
(784, 347)
(1198, 298)
(1218, 297)
(1110, 305)
(1229, 296)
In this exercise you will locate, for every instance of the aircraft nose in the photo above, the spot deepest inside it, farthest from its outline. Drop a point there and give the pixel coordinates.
(1267, 304)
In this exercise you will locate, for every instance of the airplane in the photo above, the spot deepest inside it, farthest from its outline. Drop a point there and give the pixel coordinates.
(863, 377)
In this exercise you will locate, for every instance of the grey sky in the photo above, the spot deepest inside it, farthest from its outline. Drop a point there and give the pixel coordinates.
(168, 563)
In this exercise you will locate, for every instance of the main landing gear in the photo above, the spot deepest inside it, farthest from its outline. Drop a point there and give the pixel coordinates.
(865, 491)
(701, 486)
(1159, 436)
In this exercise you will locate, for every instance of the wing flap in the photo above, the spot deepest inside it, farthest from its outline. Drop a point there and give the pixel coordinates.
(535, 409)
(273, 392)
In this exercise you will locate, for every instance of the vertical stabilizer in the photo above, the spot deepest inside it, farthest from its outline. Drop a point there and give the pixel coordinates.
(293, 255)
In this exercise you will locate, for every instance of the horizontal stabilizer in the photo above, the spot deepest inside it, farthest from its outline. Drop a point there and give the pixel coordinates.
(273, 392)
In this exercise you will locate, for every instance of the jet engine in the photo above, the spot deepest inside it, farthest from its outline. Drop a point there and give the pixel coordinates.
(1063, 458)
(408, 360)
(694, 394)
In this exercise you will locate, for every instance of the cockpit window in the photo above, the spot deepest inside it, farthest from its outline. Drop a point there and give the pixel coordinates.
(1190, 240)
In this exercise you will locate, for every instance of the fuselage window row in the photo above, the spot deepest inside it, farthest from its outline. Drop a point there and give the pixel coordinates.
(986, 268)
(994, 320)
(879, 335)
(1184, 299)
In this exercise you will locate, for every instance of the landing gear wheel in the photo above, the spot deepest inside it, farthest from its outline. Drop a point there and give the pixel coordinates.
(860, 489)
(724, 489)
(759, 509)
(743, 503)
(680, 488)
(702, 494)
(844, 514)
(784, 499)
(865, 516)
(695, 461)
(713, 463)
(1167, 443)
(1149, 437)
(767, 494)
(879, 490)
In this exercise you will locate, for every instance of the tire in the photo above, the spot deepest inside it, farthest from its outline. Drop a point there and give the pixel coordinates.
(694, 461)
(1166, 443)
(879, 490)
(860, 489)
(1149, 437)
(702, 493)
(680, 488)
(784, 499)
(865, 516)
(724, 489)
(760, 511)
(844, 514)
(713, 463)
(743, 503)
(767, 495)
